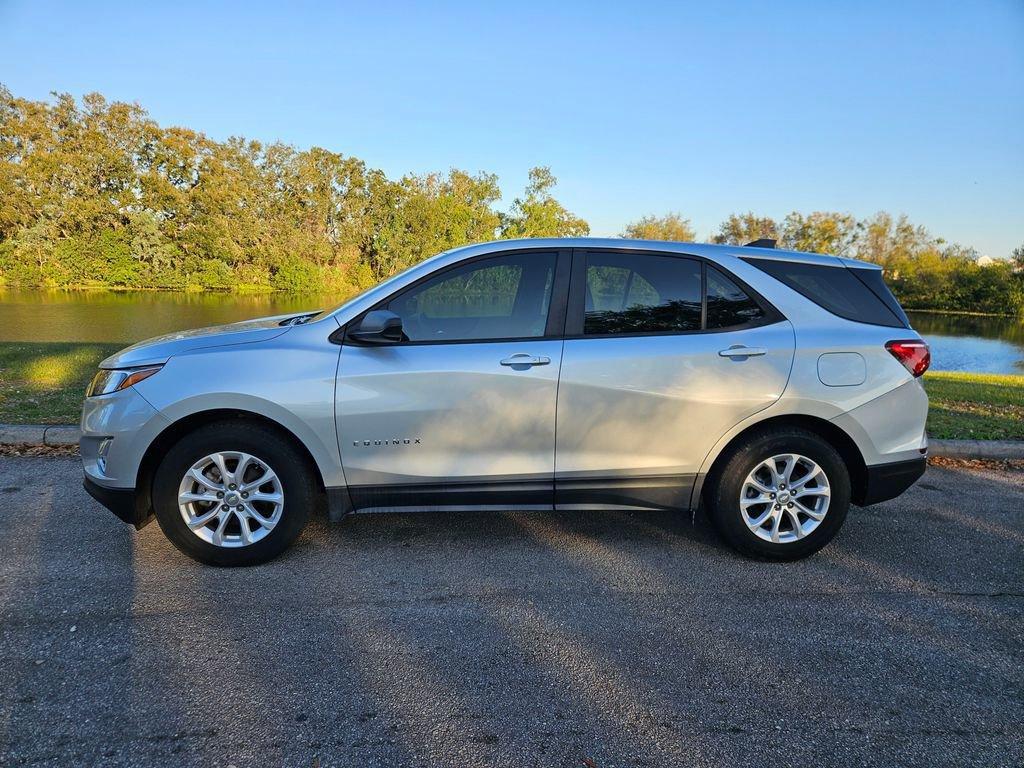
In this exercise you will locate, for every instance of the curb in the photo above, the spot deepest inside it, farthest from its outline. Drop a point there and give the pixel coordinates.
(39, 434)
(68, 434)
(977, 449)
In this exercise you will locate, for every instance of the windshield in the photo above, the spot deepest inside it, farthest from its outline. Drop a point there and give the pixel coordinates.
(394, 277)
(325, 312)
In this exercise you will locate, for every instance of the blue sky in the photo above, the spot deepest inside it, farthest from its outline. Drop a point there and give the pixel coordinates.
(704, 108)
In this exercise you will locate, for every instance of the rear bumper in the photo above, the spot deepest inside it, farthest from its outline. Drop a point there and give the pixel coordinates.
(887, 481)
(123, 502)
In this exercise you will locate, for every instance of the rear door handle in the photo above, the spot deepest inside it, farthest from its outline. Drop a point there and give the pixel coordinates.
(740, 351)
(525, 360)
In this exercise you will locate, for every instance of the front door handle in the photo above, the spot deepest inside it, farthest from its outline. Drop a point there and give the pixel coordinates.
(525, 360)
(741, 351)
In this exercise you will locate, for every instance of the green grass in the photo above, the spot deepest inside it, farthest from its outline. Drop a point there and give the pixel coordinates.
(975, 406)
(45, 383)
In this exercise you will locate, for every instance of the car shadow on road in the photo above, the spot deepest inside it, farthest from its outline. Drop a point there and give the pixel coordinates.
(513, 638)
(69, 630)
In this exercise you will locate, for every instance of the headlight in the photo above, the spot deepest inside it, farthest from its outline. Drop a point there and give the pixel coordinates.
(107, 381)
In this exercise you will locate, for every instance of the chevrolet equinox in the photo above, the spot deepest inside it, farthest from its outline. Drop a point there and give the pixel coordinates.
(771, 388)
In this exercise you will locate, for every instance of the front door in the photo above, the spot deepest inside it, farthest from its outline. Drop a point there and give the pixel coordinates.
(653, 374)
(462, 413)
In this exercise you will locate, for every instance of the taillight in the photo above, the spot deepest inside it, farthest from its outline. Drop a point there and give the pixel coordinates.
(913, 354)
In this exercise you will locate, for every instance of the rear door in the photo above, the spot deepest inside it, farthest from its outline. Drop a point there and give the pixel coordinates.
(461, 414)
(663, 354)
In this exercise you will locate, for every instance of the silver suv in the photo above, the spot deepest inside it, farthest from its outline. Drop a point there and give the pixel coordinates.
(771, 388)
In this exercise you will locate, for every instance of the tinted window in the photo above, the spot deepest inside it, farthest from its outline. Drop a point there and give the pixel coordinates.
(505, 297)
(641, 293)
(837, 289)
(872, 278)
(728, 304)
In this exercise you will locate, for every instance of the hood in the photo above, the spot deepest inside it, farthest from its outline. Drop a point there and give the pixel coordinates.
(160, 348)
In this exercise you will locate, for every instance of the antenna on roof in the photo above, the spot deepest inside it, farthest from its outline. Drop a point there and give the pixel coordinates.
(761, 242)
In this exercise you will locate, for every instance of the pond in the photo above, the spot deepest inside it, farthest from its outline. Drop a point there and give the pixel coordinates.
(958, 342)
(972, 343)
(129, 316)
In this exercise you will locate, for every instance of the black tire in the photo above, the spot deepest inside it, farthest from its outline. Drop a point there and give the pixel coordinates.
(722, 495)
(291, 466)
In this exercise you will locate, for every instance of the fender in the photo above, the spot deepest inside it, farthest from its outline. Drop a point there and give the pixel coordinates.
(289, 380)
(794, 407)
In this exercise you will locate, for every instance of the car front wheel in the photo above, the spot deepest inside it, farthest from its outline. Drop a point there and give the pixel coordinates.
(233, 493)
(780, 495)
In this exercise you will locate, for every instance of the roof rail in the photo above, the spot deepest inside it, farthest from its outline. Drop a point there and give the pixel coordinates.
(761, 242)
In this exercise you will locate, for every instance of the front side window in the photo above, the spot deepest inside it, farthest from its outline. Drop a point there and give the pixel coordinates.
(504, 297)
(641, 293)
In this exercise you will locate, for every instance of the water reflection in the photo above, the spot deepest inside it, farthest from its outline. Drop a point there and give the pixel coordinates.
(102, 316)
(968, 343)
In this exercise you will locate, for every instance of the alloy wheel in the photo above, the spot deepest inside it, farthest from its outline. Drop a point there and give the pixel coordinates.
(231, 499)
(784, 498)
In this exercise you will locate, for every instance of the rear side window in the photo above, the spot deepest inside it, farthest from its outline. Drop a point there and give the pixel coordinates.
(641, 293)
(728, 304)
(839, 290)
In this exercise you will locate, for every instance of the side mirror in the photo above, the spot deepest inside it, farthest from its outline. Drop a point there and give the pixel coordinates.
(381, 326)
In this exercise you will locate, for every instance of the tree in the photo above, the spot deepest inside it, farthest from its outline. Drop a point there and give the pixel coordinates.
(820, 232)
(745, 228)
(671, 226)
(423, 215)
(891, 242)
(539, 214)
(96, 192)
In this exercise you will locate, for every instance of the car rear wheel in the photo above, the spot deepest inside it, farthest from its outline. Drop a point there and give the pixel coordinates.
(233, 493)
(780, 495)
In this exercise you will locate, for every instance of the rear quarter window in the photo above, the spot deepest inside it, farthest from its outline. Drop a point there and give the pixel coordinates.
(863, 299)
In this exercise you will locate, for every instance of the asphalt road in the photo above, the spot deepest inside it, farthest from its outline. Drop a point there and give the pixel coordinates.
(515, 639)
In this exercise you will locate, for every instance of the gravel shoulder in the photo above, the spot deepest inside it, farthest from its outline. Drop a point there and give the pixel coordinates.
(515, 639)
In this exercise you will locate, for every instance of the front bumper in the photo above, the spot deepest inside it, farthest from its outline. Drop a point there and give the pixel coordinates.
(117, 429)
(128, 505)
(887, 481)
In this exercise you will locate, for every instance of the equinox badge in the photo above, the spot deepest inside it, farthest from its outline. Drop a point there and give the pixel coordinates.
(393, 441)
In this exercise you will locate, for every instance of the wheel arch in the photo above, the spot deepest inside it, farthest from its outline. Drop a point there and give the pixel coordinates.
(828, 431)
(181, 427)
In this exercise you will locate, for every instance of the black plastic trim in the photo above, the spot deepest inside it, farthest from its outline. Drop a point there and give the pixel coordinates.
(887, 481)
(453, 494)
(661, 492)
(558, 307)
(125, 503)
(339, 503)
